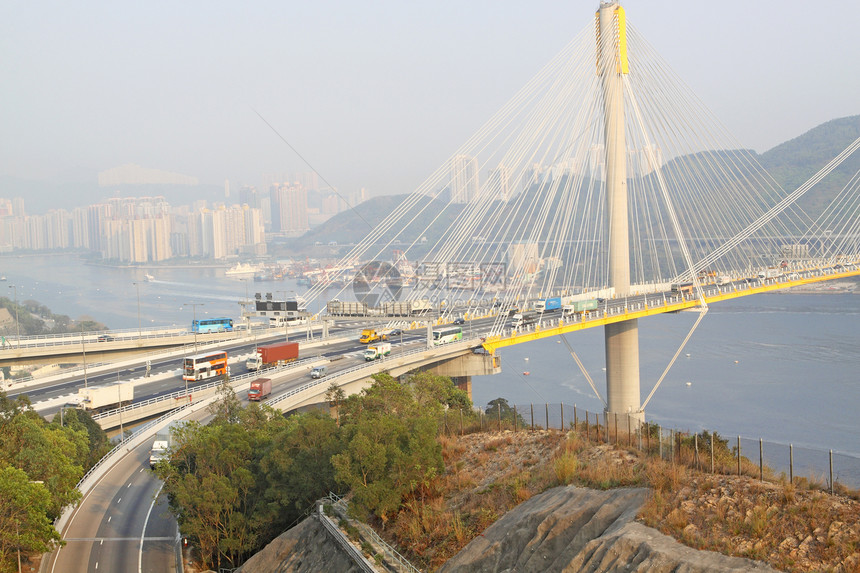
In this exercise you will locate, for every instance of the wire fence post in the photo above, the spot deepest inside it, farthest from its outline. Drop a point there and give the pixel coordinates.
(739, 455)
(547, 415)
(516, 419)
(760, 460)
(831, 472)
(587, 429)
(533, 415)
(712, 452)
(791, 463)
(696, 450)
(500, 416)
(561, 426)
(461, 421)
(660, 440)
(575, 421)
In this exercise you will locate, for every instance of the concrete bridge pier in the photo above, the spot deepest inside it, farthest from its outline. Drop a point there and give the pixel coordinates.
(461, 369)
(621, 339)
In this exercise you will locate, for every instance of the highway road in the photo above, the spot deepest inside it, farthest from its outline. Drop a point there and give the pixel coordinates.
(122, 524)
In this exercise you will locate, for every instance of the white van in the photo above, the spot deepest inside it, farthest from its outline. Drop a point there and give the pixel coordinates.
(517, 320)
(319, 371)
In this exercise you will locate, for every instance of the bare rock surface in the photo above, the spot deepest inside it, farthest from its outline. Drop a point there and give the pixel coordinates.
(306, 548)
(576, 529)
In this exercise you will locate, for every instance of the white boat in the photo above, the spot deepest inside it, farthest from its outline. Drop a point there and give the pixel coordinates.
(242, 269)
(148, 278)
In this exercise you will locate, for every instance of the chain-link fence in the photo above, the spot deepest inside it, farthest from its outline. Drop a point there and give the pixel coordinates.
(705, 450)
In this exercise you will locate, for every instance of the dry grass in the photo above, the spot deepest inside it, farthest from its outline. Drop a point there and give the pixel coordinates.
(792, 527)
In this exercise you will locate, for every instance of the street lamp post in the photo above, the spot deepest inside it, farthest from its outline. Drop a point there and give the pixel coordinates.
(193, 306)
(286, 332)
(84, 354)
(17, 324)
(139, 332)
(245, 306)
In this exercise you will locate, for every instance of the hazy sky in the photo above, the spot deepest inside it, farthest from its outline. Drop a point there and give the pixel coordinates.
(373, 94)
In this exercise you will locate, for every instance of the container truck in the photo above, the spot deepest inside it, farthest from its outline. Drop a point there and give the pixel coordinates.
(406, 307)
(520, 320)
(273, 355)
(548, 304)
(377, 351)
(769, 273)
(164, 440)
(580, 306)
(100, 398)
(260, 388)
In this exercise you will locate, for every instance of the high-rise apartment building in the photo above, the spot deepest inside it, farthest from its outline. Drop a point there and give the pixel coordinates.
(464, 179)
(289, 204)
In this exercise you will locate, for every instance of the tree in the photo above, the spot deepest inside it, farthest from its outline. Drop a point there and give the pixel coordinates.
(499, 408)
(215, 484)
(47, 453)
(298, 465)
(391, 447)
(24, 522)
(432, 390)
(335, 396)
(80, 420)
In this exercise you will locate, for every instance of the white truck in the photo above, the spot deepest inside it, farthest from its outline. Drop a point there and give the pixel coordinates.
(164, 440)
(769, 273)
(378, 350)
(98, 398)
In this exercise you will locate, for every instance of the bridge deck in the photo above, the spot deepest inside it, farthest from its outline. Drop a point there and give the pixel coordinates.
(492, 343)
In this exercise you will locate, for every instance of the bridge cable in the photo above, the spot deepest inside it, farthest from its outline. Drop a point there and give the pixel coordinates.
(582, 368)
(702, 314)
(673, 217)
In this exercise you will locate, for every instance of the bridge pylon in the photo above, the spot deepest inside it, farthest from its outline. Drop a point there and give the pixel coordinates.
(621, 339)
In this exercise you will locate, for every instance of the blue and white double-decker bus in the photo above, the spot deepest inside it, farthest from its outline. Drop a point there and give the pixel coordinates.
(212, 325)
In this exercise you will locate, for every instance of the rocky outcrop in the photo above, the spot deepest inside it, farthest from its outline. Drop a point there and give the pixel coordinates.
(306, 548)
(576, 529)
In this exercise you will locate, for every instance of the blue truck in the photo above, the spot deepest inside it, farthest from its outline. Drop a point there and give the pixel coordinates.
(548, 304)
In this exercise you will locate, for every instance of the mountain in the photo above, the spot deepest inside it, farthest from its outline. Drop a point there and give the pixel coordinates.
(790, 164)
(793, 162)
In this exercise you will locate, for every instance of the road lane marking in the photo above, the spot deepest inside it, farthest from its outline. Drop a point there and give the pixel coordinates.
(119, 500)
(101, 540)
(142, 533)
(109, 518)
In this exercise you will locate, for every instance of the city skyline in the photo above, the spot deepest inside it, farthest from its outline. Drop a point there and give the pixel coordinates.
(372, 98)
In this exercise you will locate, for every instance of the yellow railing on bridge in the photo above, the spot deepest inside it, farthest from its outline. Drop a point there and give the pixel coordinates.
(492, 343)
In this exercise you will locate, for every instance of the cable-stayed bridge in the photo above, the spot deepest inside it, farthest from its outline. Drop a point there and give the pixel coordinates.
(603, 192)
(603, 184)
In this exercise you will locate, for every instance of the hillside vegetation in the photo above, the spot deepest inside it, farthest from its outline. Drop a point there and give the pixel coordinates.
(40, 465)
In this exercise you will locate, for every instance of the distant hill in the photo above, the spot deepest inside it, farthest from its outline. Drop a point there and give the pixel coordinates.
(353, 225)
(793, 162)
(790, 163)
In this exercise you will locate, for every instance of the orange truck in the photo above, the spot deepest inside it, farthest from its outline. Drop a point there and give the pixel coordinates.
(260, 388)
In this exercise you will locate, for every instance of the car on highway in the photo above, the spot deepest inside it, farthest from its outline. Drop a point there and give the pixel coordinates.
(105, 338)
(459, 321)
(395, 332)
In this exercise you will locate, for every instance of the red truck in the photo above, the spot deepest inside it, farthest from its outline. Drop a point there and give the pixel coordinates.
(273, 355)
(260, 388)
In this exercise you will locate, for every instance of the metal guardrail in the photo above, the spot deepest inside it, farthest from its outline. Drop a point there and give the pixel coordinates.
(202, 387)
(125, 440)
(392, 554)
(331, 377)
